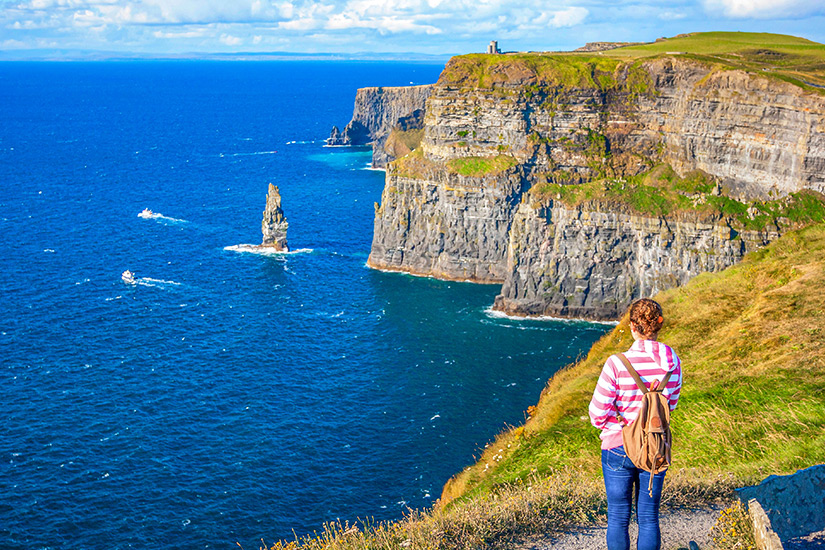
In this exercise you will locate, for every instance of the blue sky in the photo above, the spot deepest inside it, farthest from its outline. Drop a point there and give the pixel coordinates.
(348, 26)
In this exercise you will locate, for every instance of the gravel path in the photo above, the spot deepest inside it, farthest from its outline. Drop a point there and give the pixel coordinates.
(678, 526)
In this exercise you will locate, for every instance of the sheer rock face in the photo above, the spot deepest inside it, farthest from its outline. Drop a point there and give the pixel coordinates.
(451, 227)
(377, 111)
(274, 225)
(758, 137)
(592, 261)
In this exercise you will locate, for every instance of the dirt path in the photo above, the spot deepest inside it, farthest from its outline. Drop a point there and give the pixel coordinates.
(679, 527)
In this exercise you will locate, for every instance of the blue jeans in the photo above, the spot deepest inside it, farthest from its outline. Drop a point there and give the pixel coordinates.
(623, 482)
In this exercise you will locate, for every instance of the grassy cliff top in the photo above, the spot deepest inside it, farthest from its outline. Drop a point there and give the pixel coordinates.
(789, 58)
(723, 43)
(661, 192)
(753, 401)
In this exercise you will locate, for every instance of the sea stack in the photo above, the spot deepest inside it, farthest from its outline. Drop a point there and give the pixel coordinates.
(274, 224)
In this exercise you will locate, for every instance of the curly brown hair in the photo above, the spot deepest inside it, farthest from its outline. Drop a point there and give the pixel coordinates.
(646, 315)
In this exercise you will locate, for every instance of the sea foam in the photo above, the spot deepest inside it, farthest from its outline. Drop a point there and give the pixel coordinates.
(493, 314)
(263, 250)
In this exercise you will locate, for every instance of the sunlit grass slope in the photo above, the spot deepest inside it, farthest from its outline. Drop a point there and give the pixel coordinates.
(788, 57)
(753, 402)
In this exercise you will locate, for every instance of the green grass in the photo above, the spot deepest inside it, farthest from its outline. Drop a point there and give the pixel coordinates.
(661, 192)
(481, 166)
(784, 57)
(414, 165)
(714, 43)
(753, 402)
(537, 72)
(788, 58)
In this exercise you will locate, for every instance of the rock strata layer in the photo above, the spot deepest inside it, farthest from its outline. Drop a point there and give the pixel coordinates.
(377, 112)
(274, 224)
(593, 260)
(461, 207)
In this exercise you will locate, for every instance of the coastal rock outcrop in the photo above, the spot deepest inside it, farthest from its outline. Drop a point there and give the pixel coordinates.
(274, 224)
(380, 112)
(496, 128)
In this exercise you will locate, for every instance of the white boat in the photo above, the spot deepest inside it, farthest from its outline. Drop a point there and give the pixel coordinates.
(146, 213)
(128, 277)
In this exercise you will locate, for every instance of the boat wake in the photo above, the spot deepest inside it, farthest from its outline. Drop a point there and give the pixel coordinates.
(248, 154)
(147, 214)
(305, 142)
(129, 278)
(264, 251)
(160, 283)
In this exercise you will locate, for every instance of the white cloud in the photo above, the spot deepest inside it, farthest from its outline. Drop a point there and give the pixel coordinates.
(197, 33)
(230, 40)
(765, 9)
(384, 17)
(671, 15)
(569, 17)
(12, 44)
(383, 25)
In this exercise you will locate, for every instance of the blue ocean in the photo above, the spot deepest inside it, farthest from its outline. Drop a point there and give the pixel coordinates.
(225, 398)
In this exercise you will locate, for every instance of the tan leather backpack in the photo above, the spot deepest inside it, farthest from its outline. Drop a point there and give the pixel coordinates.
(647, 439)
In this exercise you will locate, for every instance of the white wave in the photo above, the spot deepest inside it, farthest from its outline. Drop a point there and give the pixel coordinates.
(490, 312)
(264, 250)
(306, 142)
(435, 416)
(48, 250)
(248, 154)
(423, 276)
(149, 281)
(371, 169)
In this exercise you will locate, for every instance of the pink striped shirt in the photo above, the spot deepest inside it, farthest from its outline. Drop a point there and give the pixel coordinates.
(617, 394)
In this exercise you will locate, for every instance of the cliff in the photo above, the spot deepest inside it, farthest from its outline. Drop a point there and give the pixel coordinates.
(380, 112)
(501, 132)
(593, 260)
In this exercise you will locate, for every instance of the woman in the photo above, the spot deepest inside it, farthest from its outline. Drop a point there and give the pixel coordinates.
(618, 397)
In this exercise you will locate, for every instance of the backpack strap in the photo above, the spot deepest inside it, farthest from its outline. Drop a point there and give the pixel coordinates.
(626, 362)
(663, 383)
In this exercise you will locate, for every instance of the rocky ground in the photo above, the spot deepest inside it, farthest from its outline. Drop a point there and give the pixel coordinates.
(679, 527)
